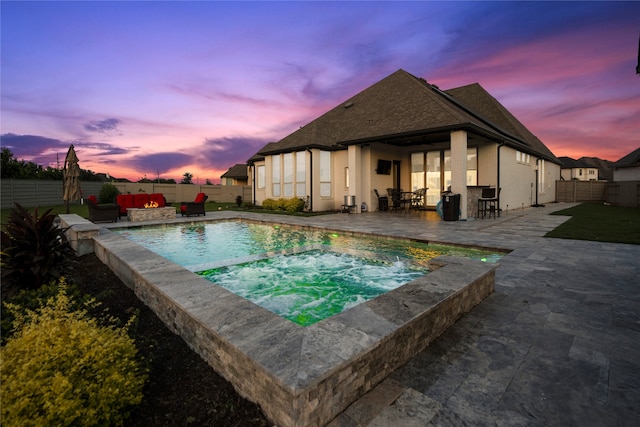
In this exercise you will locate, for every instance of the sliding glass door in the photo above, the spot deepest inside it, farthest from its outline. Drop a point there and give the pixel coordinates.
(433, 170)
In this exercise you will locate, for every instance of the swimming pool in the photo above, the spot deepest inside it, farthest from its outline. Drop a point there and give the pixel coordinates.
(302, 275)
(300, 376)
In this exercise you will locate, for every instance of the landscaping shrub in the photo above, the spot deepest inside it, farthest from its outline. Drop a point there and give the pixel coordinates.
(108, 193)
(289, 205)
(61, 368)
(294, 205)
(35, 250)
(28, 300)
(270, 204)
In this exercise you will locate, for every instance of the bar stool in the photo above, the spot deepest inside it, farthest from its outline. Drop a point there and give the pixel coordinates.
(488, 203)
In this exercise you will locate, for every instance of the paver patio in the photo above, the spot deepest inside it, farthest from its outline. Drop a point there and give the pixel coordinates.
(557, 343)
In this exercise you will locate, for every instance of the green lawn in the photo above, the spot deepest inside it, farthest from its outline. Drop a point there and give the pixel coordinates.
(600, 223)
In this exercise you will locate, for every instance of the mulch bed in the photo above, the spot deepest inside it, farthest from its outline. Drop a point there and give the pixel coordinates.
(182, 388)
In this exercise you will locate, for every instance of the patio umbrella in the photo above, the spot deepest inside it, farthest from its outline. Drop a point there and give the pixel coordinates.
(71, 174)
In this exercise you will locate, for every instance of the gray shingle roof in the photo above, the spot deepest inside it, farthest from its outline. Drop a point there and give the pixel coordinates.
(237, 171)
(569, 163)
(402, 105)
(482, 103)
(630, 160)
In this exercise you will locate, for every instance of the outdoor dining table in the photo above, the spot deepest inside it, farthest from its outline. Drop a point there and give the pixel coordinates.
(406, 199)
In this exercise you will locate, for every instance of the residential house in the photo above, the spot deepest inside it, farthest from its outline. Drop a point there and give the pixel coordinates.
(577, 170)
(628, 167)
(405, 133)
(236, 175)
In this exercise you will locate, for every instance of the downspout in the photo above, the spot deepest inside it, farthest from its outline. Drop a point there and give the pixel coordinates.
(310, 180)
(537, 180)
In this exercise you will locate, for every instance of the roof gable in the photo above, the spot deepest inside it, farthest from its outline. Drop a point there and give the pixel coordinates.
(237, 171)
(630, 160)
(482, 103)
(398, 104)
(402, 104)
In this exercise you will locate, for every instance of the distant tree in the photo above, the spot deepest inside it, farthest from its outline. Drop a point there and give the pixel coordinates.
(208, 182)
(51, 173)
(20, 169)
(9, 165)
(187, 178)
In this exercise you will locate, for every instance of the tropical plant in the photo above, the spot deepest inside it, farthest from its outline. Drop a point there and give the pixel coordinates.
(35, 250)
(62, 368)
(108, 193)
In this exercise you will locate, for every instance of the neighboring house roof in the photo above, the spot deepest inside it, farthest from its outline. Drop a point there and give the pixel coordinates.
(569, 163)
(630, 160)
(403, 110)
(238, 171)
(605, 169)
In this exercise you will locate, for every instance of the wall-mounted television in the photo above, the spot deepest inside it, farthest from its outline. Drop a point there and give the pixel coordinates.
(384, 167)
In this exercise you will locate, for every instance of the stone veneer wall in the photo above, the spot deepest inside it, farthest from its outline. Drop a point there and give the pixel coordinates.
(300, 376)
(151, 214)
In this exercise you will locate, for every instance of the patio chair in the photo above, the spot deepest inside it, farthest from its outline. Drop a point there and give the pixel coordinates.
(418, 198)
(194, 208)
(383, 201)
(395, 197)
(102, 213)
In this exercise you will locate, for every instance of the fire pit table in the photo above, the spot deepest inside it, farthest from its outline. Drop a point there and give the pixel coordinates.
(150, 214)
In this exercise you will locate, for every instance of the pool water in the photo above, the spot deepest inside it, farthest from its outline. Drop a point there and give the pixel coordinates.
(311, 286)
(302, 275)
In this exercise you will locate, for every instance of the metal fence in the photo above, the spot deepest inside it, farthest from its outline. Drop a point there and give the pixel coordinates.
(34, 193)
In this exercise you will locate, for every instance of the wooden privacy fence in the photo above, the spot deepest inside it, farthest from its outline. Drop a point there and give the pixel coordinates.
(621, 193)
(34, 192)
(580, 191)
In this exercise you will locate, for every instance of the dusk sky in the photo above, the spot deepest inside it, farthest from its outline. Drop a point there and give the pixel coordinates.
(163, 88)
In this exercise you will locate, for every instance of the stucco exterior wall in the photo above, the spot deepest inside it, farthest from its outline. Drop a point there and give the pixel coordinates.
(488, 165)
(627, 174)
(518, 180)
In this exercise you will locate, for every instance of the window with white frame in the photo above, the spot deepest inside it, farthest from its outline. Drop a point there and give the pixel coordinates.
(417, 171)
(287, 176)
(523, 158)
(275, 174)
(260, 177)
(325, 174)
(472, 166)
(301, 174)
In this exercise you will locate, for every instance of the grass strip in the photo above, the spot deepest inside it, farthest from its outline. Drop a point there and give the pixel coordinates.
(600, 223)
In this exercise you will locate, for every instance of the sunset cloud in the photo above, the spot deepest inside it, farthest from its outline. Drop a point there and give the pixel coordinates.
(136, 99)
(102, 126)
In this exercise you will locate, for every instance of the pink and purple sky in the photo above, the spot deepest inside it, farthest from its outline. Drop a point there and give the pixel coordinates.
(162, 88)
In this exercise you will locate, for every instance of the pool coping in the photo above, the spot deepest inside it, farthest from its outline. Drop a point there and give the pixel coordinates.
(300, 376)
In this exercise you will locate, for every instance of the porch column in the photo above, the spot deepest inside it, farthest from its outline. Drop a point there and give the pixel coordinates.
(459, 168)
(355, 172)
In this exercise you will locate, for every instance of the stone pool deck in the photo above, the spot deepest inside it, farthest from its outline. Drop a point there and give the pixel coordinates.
(557, 343)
